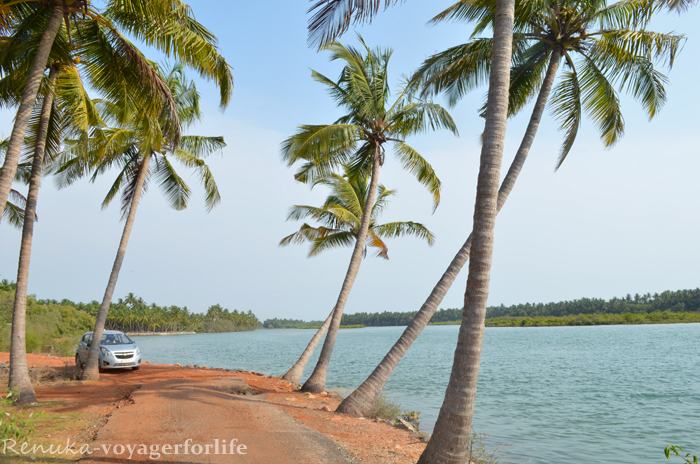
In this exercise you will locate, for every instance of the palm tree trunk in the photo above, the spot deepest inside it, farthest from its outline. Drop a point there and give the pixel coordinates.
(19, 372)
(360, 401)
(91, 371)
(294, 374)
(449, 443)
(36, 74)
(316, 383)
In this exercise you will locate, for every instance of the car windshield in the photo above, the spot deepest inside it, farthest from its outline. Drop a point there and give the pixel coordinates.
(116, 339)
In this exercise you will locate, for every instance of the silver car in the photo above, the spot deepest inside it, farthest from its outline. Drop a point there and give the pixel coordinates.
(117, 351)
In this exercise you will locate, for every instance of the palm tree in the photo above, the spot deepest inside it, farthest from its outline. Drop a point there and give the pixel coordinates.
(535, 63)
(168, 25)
(138, 139)
(66, 108)
(449, 442)
(341, 216)
(357, 140)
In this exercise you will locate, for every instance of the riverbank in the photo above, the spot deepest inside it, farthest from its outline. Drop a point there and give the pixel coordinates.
(665, 317)
(164, 404)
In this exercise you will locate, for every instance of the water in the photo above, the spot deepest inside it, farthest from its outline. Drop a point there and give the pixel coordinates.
(581, 395)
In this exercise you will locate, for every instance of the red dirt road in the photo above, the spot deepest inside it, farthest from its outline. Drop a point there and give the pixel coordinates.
(162, 405)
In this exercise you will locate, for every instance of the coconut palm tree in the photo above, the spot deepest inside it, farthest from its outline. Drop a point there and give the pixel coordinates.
(168, 25)
(535, 63)
(135, 141)
(357, 141)
(449, 442)
(65, 108)
(341, 216)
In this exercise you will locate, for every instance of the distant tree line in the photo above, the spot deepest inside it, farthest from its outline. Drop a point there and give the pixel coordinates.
(680, 301)
(288, 323)
(54, 326)
(675, 301)
(133, 314)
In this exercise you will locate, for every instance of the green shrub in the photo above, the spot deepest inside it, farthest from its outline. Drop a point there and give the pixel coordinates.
(385, 409)
(14, 425)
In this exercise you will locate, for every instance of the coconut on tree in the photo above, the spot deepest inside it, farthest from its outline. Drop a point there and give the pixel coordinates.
(357, 140)
(606, 46)
(137, 144)
(340, 217)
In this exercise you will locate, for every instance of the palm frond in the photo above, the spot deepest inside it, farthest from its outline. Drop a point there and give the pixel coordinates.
(402, 229)
(413, 162)
(332, 18)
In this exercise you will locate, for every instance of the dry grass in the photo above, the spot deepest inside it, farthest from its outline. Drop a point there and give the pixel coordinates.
(45, 375)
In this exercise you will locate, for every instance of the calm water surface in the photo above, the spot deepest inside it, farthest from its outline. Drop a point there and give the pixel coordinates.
(585, 395)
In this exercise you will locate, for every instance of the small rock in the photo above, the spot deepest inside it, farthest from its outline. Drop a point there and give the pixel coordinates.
(323, 394)
(177, 365)
(309, 395)
(205, 367)
(415, 456)
(397, 447)
(336, 418)
(326, 408)
(290, 399)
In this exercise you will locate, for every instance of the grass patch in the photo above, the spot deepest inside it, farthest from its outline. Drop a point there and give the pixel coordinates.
(385, 409)
(55, 428)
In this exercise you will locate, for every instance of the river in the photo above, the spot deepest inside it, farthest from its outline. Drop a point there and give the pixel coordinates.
(553, 394)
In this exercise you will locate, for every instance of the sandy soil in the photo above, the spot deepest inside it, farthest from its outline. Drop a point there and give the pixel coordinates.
(169, 405)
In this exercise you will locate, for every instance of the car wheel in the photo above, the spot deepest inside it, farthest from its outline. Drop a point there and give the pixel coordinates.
(135, 368)
(78, 364)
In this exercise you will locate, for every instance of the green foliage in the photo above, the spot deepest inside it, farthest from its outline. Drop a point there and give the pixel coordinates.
(134, 137)
(680, 306)
(385, 409)
(14, 425)
(51, 327)
(370, 121)
(478, 453)
(288, 323)
(605, 47)
(676, 451)
(55, 326)
(665, 317)
(341, 215)
(674, 301)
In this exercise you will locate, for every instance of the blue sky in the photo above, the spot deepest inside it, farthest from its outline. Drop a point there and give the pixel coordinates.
(609, 222)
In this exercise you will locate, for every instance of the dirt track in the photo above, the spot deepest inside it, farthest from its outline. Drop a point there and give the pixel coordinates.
(170, 405)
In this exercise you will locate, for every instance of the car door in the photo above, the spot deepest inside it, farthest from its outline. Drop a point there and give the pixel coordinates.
(84, 347)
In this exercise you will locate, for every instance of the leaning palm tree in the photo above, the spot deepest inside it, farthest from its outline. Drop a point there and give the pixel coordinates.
(65, 109)
(357, 141)
(341, 216)
(137, 140)
(538, 51)
(168, 25)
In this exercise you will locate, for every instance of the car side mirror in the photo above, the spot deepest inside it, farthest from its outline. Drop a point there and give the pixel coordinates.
(88, 344)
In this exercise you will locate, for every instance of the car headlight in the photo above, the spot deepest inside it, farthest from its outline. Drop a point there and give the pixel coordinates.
(105, 351)
(138, 352)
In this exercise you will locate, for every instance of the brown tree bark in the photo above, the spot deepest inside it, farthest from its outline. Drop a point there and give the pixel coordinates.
(91, 370)
(316, 383)
(294, 374)
(360, 401)
(449, 443)
(19, 372)
(24, 112)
